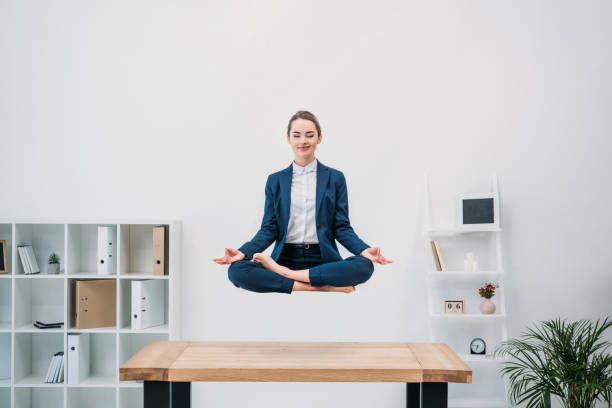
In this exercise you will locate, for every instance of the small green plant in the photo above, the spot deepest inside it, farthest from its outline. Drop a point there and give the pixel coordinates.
(568, 360)
(53, 258)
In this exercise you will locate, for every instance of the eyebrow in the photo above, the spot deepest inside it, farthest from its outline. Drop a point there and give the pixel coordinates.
(295, 131)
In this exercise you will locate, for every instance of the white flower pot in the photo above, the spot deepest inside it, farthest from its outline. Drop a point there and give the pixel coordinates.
(53, 269)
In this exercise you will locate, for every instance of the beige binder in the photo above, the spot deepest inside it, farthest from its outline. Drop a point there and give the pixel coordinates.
(95, 303)
(160, 250)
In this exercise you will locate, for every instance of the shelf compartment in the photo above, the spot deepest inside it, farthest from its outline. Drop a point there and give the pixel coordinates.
(83, 250)
(450, 232)
(130, 397)
(5, 396)
(38, 299)
(92, 397)
(478, 358)
(125, 317)
(466, 275)
(6, 234)
(489, 394)
(466, 290)
(454, 250)
(102, 360)
(459, 333)
(136, 249)
(44, 239)
(33, 354)
(27, 397)
(5, 359)
(474, 403)
(5, 304)
(72, 308)
(132, 343)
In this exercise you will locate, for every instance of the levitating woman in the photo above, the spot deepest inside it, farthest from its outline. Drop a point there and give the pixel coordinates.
(306, 210)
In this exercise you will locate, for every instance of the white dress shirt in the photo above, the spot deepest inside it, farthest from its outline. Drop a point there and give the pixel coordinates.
(302, 228)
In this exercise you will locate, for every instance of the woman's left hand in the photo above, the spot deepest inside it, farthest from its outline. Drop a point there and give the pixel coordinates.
(374, 255)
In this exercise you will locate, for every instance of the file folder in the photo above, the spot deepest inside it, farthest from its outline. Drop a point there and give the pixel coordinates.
(24, 260)
(147, 303)
(160, 250)
(107, 250)
(3, 262)
(95, 303)
(78, 357)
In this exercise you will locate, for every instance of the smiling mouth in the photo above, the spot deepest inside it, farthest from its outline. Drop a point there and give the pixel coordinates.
(304, 148)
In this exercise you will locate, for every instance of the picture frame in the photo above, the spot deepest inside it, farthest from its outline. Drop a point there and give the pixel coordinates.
(454, 306)
(478, 211)
(3, 260)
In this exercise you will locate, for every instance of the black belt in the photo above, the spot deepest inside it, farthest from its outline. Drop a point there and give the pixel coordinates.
(302, 246)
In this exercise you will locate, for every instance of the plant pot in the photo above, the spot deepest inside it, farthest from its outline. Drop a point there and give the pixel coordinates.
(52, 269)
(487, 307)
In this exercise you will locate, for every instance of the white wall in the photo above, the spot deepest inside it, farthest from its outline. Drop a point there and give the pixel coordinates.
(178, 109)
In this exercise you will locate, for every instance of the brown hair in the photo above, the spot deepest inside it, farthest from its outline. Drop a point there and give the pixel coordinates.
(304, 115)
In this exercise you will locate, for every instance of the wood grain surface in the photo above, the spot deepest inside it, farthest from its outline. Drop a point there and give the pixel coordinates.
(296, 362)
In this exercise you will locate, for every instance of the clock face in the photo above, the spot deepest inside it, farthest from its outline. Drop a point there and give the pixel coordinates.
(477, 346)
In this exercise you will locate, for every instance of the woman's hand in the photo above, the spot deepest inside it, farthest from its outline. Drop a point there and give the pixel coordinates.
(373, 254)
(231, 256)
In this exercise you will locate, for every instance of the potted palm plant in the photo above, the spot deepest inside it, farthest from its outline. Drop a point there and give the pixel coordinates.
(566, 360)
(53, 261)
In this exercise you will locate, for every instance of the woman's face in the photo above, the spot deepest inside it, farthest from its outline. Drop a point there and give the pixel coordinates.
(303, 138)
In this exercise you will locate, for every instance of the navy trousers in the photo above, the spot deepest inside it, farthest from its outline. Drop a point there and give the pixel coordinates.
(252, 276)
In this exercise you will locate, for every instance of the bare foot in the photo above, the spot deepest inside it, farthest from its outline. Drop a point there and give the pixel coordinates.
(301, 286)
(269, 263)
(345, 289)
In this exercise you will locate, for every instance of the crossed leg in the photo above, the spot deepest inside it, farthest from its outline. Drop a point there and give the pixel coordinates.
(263, 274)
(348, 272)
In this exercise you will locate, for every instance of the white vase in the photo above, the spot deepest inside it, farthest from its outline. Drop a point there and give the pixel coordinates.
(53, 269)
(487, 307)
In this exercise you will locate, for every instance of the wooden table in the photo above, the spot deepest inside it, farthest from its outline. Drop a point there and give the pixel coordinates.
(169, 367)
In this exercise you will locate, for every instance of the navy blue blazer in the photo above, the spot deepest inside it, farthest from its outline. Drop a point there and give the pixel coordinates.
(331, 215)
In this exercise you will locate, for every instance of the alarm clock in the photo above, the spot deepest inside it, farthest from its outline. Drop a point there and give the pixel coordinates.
(478, 346)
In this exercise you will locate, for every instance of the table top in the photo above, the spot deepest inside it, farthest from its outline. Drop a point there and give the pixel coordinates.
(247, 361)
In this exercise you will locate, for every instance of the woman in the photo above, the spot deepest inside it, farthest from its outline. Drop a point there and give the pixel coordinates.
(306, 210)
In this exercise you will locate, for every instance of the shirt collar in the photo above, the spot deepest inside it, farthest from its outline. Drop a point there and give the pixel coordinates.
(309, 168)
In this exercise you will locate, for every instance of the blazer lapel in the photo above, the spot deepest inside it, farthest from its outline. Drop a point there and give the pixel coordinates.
(285, 191)
(322, 179)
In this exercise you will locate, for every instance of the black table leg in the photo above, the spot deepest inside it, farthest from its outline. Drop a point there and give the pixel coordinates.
(427, 395)
(165, 394)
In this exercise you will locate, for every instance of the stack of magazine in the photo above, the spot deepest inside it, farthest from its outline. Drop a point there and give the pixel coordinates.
(42, 325)
(55, 373)
(28, 259)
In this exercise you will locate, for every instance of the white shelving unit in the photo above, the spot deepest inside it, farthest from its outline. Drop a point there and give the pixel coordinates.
(26, 351)
(457, 330)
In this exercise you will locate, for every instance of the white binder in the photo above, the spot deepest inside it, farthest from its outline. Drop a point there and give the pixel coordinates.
(78, 357)
(24, 260)
(147, 303)
(107, 250)
(32, 259)
(51, 369)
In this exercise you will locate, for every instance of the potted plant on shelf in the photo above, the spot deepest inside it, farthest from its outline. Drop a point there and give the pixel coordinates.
(568, 360)
(53, 267)
(487, 291)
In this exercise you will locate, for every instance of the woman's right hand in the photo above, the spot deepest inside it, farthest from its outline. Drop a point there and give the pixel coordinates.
(231, 256)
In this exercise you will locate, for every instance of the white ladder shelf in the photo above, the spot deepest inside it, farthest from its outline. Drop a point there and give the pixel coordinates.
(452, 279)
